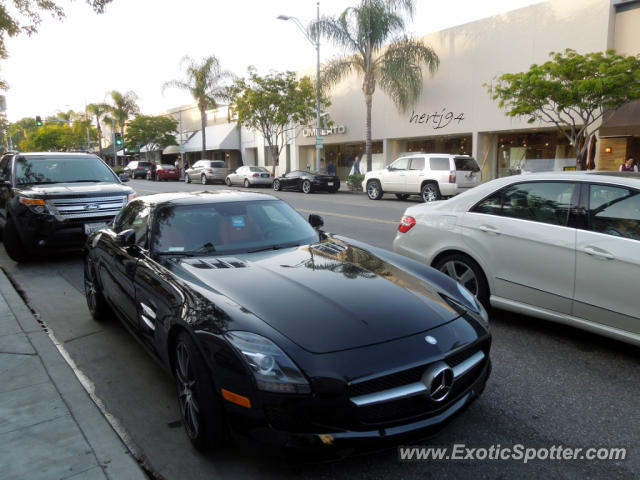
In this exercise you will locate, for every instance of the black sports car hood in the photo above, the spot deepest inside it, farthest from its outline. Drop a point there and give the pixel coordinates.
(81, 189)
(325, 297)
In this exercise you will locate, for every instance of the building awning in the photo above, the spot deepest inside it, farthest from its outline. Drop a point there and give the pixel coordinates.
(218, 137)
(625, 121)
(171, 150)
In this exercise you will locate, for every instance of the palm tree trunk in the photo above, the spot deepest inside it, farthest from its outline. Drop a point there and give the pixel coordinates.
(203, 122)
(367, 127)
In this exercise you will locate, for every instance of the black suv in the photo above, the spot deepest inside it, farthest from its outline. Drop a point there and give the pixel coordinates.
(137, 169)
(52, 201)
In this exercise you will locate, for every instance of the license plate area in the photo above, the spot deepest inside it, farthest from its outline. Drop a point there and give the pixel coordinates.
(91, 227)
(330, 184)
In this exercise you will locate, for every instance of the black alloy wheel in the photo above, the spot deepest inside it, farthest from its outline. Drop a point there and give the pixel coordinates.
(12, 243)
(430, 192)
(468, 273)
(306, 186)
(200, 406)
(276, 185)
(374, 190)
(98, 307)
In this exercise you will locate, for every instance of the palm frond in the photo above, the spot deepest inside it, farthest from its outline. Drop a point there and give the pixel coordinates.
(400, 70)
(336, 70)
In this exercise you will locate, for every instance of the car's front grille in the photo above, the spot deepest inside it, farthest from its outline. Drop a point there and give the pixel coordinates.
(402, 395)
(87, 207)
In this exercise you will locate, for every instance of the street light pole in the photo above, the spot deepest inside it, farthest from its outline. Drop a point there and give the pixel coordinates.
(316, 43)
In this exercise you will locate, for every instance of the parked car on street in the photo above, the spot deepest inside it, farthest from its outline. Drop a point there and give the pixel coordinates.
(250, 176)
(52, 201)
(205, 171)
(430, 175)
(165, 172)
(137, 169)
(559, 246)
(280, 332)
(307, 182)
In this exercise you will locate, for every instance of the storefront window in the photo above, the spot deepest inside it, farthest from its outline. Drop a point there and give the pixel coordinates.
(534, 151)
(454, 145)
(342, 155)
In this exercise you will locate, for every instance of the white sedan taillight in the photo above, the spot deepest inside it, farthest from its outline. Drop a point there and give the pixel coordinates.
(406, 224)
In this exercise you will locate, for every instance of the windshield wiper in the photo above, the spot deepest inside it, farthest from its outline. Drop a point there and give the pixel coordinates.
(275, 247)
(206, 248)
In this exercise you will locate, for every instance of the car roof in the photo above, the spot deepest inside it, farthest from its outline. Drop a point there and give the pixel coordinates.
(203, 197)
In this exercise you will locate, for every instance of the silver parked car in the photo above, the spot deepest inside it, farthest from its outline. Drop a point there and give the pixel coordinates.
(249, 176)
(204, 171)
(430, 175)
(559, 246)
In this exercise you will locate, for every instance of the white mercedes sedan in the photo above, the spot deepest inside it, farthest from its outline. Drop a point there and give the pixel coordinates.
(563, 247)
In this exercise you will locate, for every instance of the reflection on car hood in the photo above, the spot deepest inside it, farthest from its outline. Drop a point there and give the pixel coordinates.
(327, 296)
(75, 189)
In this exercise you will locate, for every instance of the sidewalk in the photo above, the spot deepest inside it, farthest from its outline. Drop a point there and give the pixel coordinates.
(50, 428)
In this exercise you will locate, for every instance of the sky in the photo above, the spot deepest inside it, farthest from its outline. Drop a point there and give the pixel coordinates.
(137, 45)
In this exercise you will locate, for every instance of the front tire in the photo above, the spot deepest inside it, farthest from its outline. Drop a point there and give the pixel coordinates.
(430, 192)
(276, 185)
(200, 406)
(12, 243)
(98, 307)
(466, 271)
(306, 186)
(374, 190)
(227, 181)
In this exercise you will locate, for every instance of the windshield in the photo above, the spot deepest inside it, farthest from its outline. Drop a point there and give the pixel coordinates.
(35, 170)
(234, 227)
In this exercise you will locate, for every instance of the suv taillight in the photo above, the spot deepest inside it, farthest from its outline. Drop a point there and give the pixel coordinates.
(406, 224)
(255, 175)
(452, 177)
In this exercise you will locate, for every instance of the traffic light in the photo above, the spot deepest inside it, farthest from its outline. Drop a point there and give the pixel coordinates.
(118, 139)
(38, 121)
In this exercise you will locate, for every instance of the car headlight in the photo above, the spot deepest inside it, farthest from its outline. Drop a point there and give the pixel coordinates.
(272, 369)
(36, 205)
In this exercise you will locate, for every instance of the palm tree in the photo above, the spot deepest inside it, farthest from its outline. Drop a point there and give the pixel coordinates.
(363, 31)
(98, 111)
(123, 106)
(203, 82)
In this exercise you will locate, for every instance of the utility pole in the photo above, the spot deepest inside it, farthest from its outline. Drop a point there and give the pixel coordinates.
(113, 141)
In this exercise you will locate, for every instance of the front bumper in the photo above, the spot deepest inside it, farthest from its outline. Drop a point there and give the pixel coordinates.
(329, 442)
(41, 233)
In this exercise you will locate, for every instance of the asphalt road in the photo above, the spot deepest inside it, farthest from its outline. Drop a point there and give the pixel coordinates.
(551, 385)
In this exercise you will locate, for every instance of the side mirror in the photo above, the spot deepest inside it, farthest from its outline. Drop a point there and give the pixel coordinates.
(127, 238)
(124, 177)
(316, 221)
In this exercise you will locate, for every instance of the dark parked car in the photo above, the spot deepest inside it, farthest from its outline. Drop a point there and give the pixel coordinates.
(281, 332)
(52, 201)
(137, 169)
(307, 182)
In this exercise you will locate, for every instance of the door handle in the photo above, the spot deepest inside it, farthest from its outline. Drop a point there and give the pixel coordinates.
(597, 252)
(488, 229)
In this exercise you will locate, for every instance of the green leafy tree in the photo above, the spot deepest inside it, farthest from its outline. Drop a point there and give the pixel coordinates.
(152, 131)
(381, 52)
(20, 130)
(572, 91)
(205, 82)
(24, 16)
(273, 105)
(56, 136)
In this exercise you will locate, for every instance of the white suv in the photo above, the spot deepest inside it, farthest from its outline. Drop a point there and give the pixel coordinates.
(431, 175)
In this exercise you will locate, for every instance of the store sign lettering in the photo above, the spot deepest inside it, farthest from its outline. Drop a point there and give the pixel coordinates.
(437, 120)
(311, 132)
